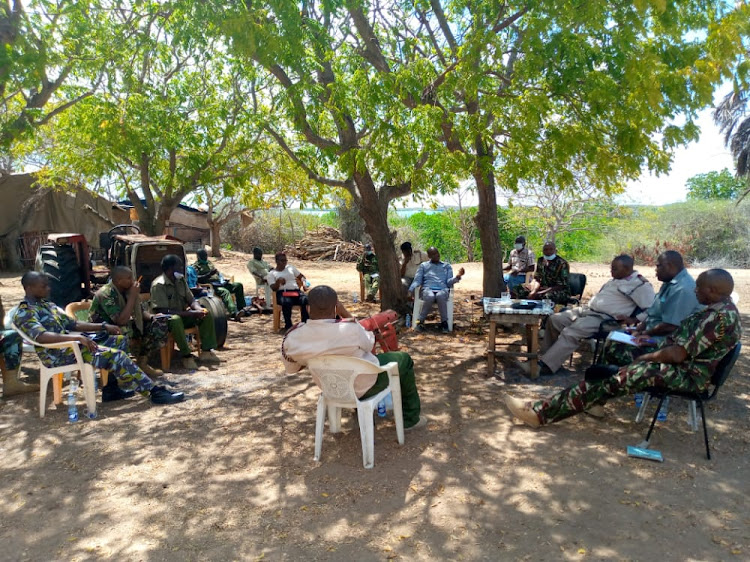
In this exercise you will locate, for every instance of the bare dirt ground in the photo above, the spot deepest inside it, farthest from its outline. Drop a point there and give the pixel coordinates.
(229, 474)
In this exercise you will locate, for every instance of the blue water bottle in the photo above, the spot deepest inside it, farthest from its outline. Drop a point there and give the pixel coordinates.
(407, 323)
(381, 408)
(662, 415)
(72, 406)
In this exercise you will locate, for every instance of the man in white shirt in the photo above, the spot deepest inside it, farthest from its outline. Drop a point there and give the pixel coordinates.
(288, 283)
(409, 263)
(323, 334)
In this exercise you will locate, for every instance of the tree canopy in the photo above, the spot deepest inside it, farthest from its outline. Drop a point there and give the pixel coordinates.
(715, 185)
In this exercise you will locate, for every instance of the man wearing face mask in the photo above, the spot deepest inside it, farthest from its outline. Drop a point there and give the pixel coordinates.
(171, 295)
(550, 280)
(521, 262)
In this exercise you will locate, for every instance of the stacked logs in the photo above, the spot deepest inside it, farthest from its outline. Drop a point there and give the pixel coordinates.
(325, 244)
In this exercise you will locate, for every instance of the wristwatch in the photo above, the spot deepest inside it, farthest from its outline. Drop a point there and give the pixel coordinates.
(104, 326)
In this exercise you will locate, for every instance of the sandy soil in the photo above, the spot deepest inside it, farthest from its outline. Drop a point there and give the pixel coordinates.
(229, 473)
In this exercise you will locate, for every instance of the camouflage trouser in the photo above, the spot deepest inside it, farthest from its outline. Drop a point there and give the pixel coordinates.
(11, 349)
(621, 354)
(372, 284)
(113, 357)
(225, 293)
(633, 378)
(154, 336)
(558, 296)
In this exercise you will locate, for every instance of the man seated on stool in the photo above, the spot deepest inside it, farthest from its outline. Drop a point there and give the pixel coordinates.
(11, 348)
(367, 264)
(171, 295)
(289, 285)
(207, 273)
(521, 263)
(409, 263)
(435, 279)
(674, 302)
(44, 322)
(323, 334)
(626, 291)
(119, 303)
(685, 360)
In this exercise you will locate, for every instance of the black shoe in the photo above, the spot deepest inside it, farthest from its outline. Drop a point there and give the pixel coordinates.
(160, 395)
(114, 393)
(419, 327)
(444, 328)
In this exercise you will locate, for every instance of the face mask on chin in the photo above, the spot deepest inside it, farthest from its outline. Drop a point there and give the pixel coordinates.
(518, 247)
(178, 275)
(550, 258)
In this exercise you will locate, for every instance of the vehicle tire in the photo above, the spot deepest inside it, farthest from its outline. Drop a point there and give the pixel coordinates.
(217, 311)
(61, 266)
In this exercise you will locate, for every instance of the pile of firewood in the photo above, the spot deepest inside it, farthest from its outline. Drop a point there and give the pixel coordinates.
(325, 244)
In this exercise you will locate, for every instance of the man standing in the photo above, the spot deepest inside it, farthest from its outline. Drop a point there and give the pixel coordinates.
(171, 295)
(685, 360)
(322, 334)
(289, 285)
(521, 262)
(207, 273)
(434, 278)
(119, 303)
(11, 350)
(621, 295)
(259, 270)
(674, 302)
(409, 262)
(44, 322)
(551, 279)
(367, 264)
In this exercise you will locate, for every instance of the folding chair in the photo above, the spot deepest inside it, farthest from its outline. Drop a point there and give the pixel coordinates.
(720, 375)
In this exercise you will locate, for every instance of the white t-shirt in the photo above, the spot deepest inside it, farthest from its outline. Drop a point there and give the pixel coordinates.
(329, 337)
(290, 274)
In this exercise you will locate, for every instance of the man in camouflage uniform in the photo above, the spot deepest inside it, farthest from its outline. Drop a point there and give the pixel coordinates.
(367, 264)
(171, 295)
(44, 322)
(10, 352)
(684, 361)
(119, 303)
(674, 302)
(552, 278)
(207, 273)
(620, 295)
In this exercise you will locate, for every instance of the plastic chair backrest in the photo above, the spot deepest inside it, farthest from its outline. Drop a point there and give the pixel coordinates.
(724, 368)
(577, 284)
(335, 374)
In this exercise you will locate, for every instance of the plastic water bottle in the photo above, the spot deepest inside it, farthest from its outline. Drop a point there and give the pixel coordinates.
(388, 403)
(307, 284)
(72, 406)
(355, 297)
(408, 321)
(381, 408)
(662, 415)
(638, 399)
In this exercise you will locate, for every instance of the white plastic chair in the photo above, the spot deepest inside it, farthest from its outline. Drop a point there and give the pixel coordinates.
(418, 303)
(336, 374)
(48, 373)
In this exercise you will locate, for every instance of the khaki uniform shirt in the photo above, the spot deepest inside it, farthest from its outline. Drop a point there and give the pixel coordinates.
(621, 296)
(172, 295)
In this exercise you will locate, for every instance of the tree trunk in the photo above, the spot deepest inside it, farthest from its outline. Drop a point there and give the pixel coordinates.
(153, 222)
(215, 227)
(486, 220)
(374, 213)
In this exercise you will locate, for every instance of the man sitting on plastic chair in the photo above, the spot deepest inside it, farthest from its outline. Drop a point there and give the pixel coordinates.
(685, 360)
(44, 322)
(11, 351)
(435, 279)
(324, 334)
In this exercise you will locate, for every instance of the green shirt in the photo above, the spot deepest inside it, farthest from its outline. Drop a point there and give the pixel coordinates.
(259, 270)
(368, 263)
(203, 268)
(170, 295)
(109, 302)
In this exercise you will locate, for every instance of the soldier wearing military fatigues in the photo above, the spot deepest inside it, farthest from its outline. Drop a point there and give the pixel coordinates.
(367, 264)
(36, 316)
(619, 296)
(224, 289)
(146, 333)
(707, 336)
(550, 273)
(10, 351)
(674, 302)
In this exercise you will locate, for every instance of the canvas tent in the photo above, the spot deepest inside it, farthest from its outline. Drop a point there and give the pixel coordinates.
(28, 214)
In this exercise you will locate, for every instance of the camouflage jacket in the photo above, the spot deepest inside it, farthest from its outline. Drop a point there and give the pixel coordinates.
(34, 317)
(203, 268)
(109, 302)
(551, 273)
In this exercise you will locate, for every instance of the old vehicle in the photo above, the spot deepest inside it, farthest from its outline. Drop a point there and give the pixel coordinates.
(74, 276)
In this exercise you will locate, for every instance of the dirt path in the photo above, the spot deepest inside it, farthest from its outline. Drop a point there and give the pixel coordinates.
(229, 475)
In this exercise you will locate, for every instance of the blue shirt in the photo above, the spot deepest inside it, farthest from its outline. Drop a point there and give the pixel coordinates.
(674, 302)
(435, 276)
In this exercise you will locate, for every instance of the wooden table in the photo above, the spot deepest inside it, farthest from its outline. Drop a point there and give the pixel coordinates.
(530, 319)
